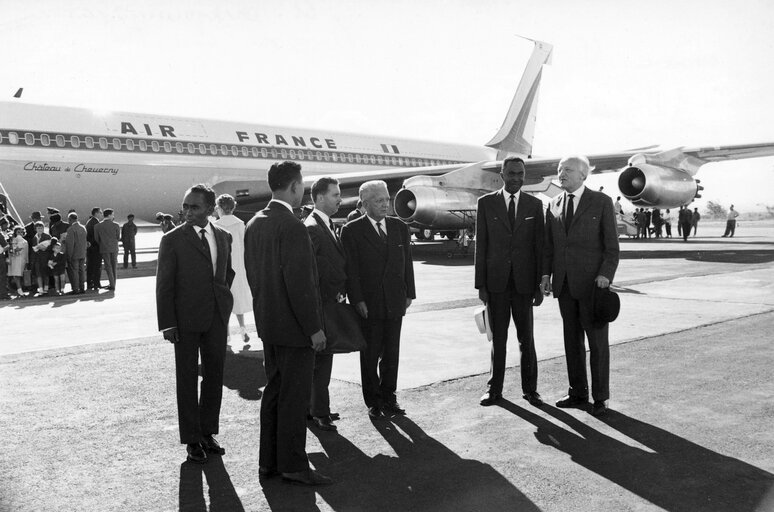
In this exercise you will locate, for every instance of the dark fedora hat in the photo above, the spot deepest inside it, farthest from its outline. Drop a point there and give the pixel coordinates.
(605, 305)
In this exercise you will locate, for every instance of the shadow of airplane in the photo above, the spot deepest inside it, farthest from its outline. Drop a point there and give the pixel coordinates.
(679, 476)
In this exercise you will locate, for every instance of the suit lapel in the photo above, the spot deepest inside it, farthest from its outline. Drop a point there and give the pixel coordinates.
(334, 240)
(193, 237)
(500, 208)
(583, 204)
(520, 208)
(372, 236)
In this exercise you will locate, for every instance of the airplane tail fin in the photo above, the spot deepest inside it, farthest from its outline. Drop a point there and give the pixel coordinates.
(516, 134)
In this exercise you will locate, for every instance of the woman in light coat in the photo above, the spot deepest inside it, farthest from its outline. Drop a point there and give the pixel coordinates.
(240, 289)
(17, 260)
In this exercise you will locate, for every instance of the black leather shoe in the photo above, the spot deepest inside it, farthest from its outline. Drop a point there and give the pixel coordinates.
(210, 445)
(599, 408)
(308, 477)
(266, 472)
(394, 408)
(196, 453)
(572, 401)
(324, 423)
(334, 416)
(533, 398)
(375, 413)
(490, 399)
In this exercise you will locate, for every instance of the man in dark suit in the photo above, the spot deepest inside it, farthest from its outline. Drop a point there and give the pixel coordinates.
(509, 256)
(282, 274)
(107, 234)
(93, 257)
(380, 283)
(193, 303)
(128, 235)
(75, 252)
(331, 269)
(581, 252)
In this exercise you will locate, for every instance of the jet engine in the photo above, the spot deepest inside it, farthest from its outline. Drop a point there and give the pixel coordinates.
(654, 186)
(441, 208)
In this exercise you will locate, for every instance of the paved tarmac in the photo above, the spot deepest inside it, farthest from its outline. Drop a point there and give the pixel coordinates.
(693, 412)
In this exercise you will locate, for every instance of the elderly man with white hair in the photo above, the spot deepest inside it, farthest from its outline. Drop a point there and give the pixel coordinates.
(581, 253)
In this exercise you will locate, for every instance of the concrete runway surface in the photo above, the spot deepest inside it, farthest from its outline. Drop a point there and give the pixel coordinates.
(690, 427)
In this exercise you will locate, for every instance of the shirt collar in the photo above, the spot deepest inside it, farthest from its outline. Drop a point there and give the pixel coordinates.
(283, 203)
(577, 194)
(323, 216)
(382, 222)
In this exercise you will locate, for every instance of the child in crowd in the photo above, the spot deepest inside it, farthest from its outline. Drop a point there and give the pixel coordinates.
(56, 265)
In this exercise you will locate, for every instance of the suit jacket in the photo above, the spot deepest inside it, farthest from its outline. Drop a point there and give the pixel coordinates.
(590, 247)
(75, 241)
(282, 273)
(107, 234)
(93, 245)
(187, 293)
(330, 257)
(502, 252)
(379, 274)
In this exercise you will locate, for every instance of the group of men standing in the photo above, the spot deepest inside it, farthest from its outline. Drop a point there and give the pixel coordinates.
(292, 269)
(522, 256)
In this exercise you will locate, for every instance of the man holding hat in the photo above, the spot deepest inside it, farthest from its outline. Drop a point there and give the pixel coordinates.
(581, 254)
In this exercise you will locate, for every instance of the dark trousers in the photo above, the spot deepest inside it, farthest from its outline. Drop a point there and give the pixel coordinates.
(129, 250)
(730, 228)
(76, 273)
(379, 360)
(3, 276)
(503, 306)
(668, 227)
(284, 406)
(576, 319)
(93, 267)
(198, 414)
(320, 404)
(686, 228)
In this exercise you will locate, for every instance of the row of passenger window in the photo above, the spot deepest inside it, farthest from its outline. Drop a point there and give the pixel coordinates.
(127, 144)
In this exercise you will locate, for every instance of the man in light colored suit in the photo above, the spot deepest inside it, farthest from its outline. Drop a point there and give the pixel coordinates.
(509, 257)
(331, 269)
(581, 252)
(75, 252)
(282, 274)
(193, 304)
(107, 234)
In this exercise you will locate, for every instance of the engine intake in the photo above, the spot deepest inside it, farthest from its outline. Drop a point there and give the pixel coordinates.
(436, 207)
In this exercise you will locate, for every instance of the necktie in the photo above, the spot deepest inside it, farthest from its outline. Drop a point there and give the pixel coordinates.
(568, 214)
(512, 211)
(206, 244)
(381, 232)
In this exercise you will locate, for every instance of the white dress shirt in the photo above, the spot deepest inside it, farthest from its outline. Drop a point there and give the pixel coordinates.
(507, 198)
(382, 223)
(575, 200)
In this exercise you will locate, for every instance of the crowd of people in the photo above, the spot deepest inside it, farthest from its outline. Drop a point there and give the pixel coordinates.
(40, 259)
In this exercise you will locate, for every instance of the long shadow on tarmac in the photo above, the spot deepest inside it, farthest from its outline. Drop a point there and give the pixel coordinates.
(425, 475)
(223, 496)
(679, 476)
(243, 372)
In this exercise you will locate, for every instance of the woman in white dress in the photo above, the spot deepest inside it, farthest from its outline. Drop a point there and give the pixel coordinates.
(240, 289)
(17, 260)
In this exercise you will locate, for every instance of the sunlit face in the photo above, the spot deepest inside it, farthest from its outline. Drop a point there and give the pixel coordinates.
(39, 229)
(329, 202)
(513, 176)
(196, 210)
(377, 203)
(571, 176)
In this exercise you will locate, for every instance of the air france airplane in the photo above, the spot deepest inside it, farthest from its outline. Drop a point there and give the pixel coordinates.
(141, 164)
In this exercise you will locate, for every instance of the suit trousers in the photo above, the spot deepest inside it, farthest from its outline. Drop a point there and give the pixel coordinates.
(76, 273)
(93, 267)
(685, 227)
(130, 250)
(503, 306)
(284, 406)
(379, 360)
(111, 266)
(320, 404)
(730, 228)
(577, 320)
(199, 416)
(3, 275)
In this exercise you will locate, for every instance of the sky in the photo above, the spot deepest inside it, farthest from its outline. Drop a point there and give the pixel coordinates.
(625, 74)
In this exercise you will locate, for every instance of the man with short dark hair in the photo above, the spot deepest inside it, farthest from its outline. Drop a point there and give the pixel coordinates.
(509, 252)
(581, 252)
(380, 283)
(331, 268)
(128, 234)
(106, 234)
(282, 274)
(193, 304)
(75, 252)
(93, 256)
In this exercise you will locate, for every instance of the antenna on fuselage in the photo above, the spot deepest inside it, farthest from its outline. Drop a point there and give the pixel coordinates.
(18, 93)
